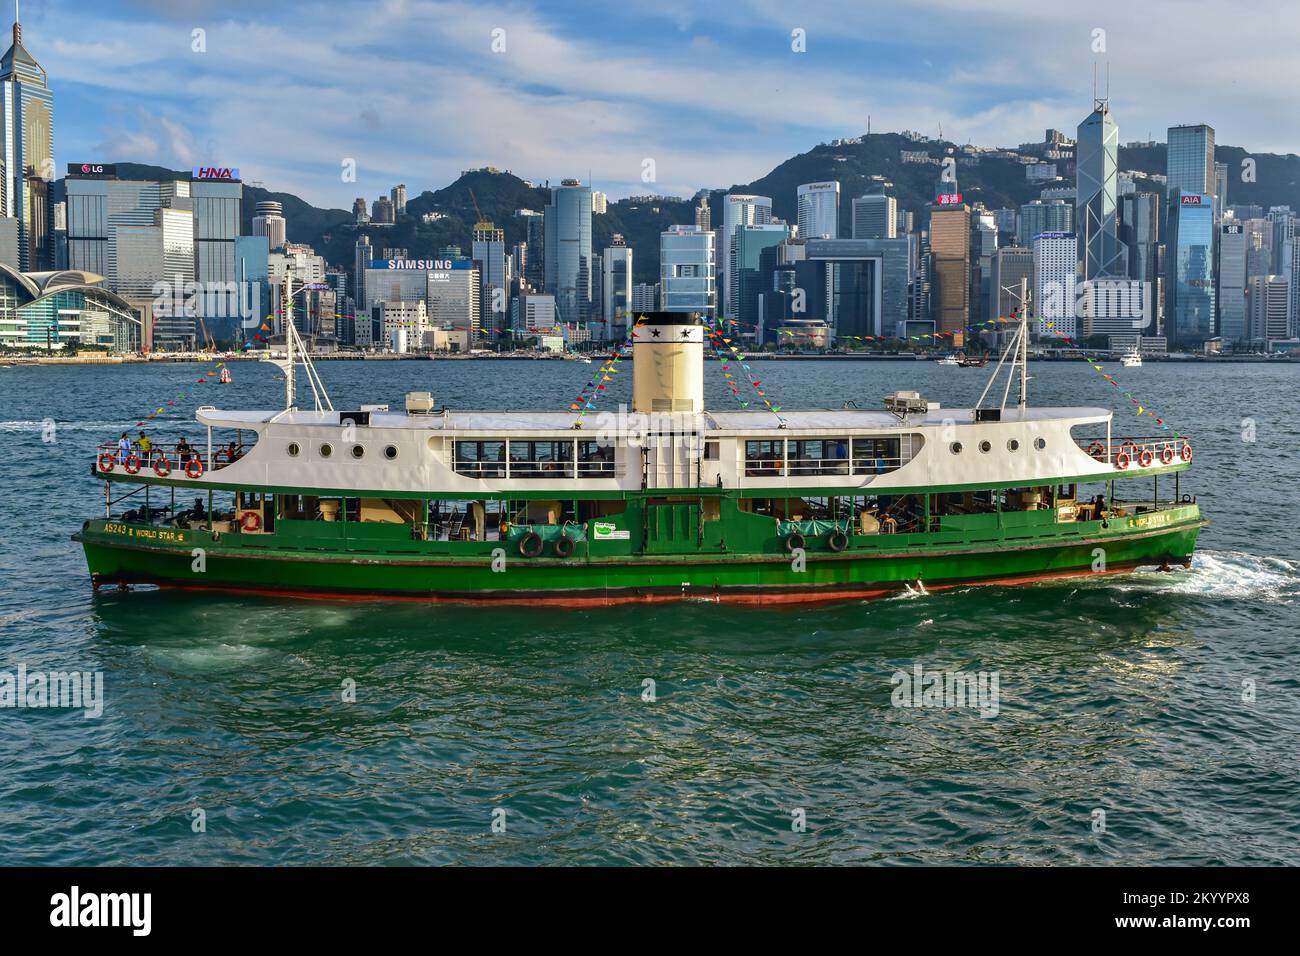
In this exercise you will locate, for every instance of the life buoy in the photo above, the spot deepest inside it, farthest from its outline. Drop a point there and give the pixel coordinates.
(1129, 449)
(106, 462)
(1187, 451)
(132, 464)
(1145, 458)
(837, 540)
(1122, 460)
(194, 467)
(1097, 450)
(563, 546)
(530, 545)
(251, 521)
(162, 467)
(793, 542)
(1166, 454)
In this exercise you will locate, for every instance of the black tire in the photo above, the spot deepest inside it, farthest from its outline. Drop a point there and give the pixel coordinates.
(530, 545)
(837, 540)
(793, 542)
(563, 546)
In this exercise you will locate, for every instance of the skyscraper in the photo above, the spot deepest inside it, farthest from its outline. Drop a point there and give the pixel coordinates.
(1038, 216)
(1056, 257)
(218, 213)
(1139, 230)
(751, 280)
(361, 256)
(1269, 297)
(1233, 244)
(687, 270)
(398, 195)
(875, 216)
(1189, 289)
(616, 287)
(489, 251)
(1100, 252)
(950, 259)
(704, 215)
(270, 222)
(26, 150)
(737, 209)
(567, 250)
(1189, 161)
(819, 210)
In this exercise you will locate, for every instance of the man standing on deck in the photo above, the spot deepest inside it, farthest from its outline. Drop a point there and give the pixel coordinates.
(145, 444)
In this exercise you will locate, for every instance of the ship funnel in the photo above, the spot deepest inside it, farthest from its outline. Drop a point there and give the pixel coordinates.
(668, 362)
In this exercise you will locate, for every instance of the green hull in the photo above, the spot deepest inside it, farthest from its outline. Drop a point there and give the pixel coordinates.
(695, 564)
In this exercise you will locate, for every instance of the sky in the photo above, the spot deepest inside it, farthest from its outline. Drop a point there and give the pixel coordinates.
(298, 94)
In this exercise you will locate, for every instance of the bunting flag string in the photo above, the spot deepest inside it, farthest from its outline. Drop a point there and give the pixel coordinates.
(737, 358)
(586, 399)
(182, 395)
(1143, 410)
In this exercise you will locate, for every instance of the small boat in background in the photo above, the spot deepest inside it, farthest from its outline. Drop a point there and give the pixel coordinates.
(1132, 358)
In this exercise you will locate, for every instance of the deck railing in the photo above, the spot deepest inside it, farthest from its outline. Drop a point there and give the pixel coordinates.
(162, 459)
(540, 469)
(804, 467)
(1125, 453)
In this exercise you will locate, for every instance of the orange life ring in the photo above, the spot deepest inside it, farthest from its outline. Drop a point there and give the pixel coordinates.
(194, 467)
(1145, 457)
(250, 522)
(1167, 454)
(1122, 460)
(132, 464)
(162, 467)
(1097, 450)
(1187, 451)
(105, 462)
(1129, 449)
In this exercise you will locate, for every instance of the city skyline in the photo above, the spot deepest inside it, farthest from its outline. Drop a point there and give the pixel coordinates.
(671, 84)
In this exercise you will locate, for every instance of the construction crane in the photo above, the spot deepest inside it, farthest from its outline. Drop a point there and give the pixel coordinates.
(210, 344)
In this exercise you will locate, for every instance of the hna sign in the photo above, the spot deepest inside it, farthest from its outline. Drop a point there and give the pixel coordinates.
(215, 172)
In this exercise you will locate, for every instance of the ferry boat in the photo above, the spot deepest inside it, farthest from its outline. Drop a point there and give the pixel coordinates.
(665, 502)
(1132, 358)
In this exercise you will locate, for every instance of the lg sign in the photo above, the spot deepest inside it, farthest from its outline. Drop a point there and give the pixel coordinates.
(215, 172)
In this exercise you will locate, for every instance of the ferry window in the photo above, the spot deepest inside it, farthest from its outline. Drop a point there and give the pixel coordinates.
(481, 459)
(595, 459)
(819, 456)
(1040, 443)
(358, 451)
(541, 459)
(875, 456)
(326, 450)
(390, 452)
(710, 451)
(293, 449)
(764, 458)
(955, 448)
(985, 447)
(1013, 445)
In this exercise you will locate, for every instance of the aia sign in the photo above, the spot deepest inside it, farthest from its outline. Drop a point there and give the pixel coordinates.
(1190, 200)
(215, 172)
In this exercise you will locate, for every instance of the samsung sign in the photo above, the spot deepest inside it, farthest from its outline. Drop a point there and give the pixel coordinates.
(215, 172)
(422, 265)
(92, 169)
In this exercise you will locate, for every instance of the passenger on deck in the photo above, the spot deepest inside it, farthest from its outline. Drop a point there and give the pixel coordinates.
(123, 448)
(145, 444)
(183, 451)
(232, 451)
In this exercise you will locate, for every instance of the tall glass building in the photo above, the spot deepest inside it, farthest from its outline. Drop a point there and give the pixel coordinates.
(1097, 166)
(687, 275)
(568, 250)
(750, 243)
(819, 210)
(1190, 293)
(738, 209)
(52, 310)
(1189, 160)
(26, 151)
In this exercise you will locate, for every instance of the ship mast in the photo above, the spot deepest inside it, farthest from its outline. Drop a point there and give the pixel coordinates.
(1017, 347)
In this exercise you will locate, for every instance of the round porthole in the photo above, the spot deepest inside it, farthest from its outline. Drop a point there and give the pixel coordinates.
(293, 449)
(985, 447)
(326, 450)
(955, 448)
(358, 451)
(1013, 445)
(1040, 443)
(390, 452)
